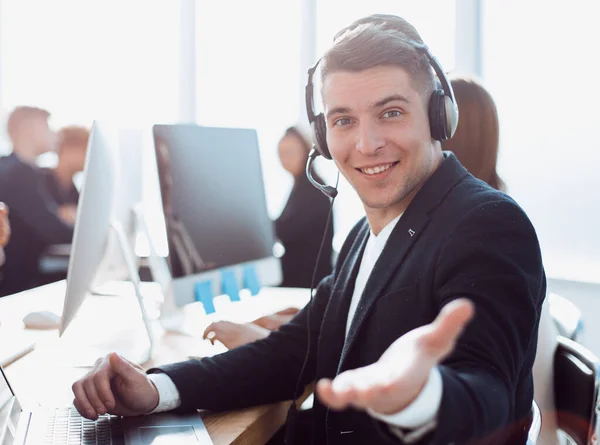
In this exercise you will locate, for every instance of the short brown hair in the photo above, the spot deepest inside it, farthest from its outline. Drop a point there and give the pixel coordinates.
(73, 135)
(22, 114)
(476, 140)
(380, 40)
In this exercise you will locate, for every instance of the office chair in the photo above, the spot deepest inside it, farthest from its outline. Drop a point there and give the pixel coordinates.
(536, 424)
(566, 316)
(576, 386)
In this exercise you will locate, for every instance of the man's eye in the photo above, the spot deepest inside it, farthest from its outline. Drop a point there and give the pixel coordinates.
(392, 113)
(342, 122)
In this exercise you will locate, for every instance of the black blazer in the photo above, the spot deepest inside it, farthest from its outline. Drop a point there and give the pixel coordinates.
(61, 196)
(34, 222)
(300, 228)
(458, 238)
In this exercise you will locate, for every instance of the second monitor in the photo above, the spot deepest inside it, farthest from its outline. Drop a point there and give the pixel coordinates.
(215, 208)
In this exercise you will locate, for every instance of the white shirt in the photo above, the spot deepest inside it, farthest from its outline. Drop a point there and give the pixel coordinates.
(419, 416)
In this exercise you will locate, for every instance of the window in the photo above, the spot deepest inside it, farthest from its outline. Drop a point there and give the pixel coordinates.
(109, 60)
(91, 60)
(248, 75)
(435, 22)
(549, 149)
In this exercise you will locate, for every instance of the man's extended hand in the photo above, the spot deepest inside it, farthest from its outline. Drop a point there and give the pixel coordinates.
(393, 382)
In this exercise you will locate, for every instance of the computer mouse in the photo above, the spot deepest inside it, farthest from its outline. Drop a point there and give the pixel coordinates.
(42, 320)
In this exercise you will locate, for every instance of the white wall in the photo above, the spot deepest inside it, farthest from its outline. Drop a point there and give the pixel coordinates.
(539, 61)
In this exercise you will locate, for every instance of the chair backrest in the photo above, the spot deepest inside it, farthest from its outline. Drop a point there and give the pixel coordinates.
(536, 425)
(543, 376)
(566, 316)
(576, 388)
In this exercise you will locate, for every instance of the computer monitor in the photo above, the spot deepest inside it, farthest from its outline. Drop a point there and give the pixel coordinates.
(106, 227)
(129, 145)
(215, 208)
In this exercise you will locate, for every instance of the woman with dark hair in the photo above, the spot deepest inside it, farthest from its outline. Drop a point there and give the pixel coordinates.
(476, 140)
(302, 223)
(300, 228)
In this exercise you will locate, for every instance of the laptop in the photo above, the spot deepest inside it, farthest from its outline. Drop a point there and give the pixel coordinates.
(65, 426)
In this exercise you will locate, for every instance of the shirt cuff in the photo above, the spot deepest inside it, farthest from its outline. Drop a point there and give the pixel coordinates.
(168, 394)
(421, 413)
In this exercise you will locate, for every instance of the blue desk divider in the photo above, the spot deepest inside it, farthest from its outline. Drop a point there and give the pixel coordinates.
(251, 281)
(203, 294)
(229, 285)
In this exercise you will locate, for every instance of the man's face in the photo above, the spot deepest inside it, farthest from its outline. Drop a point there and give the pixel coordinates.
(292, 155)
(73, 156)
(378, 134)
(41, 136)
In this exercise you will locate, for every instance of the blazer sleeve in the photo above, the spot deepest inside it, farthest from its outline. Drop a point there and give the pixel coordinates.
(494, 260)
(34, 205)
(262, 372)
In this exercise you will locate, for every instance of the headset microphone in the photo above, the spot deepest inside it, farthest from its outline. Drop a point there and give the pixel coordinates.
(329, 191)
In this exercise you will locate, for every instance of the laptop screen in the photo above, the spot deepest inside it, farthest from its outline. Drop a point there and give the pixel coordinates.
(10, 411)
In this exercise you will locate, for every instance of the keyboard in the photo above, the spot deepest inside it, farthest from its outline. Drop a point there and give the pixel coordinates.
(65, 426)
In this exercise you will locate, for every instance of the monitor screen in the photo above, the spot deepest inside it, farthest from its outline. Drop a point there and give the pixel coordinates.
(213, 197)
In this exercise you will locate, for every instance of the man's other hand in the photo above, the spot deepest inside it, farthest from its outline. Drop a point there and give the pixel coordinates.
(115, 386)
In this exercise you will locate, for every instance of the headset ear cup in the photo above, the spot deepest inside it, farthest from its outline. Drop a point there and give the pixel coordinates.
(320, 136)
(437, 116)
(450, 116)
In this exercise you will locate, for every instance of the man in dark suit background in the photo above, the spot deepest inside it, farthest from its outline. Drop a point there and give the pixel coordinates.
(426, 330)
(72, 149)
(34, 216)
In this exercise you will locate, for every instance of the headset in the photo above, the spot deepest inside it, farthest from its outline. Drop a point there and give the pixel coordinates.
(442, 108)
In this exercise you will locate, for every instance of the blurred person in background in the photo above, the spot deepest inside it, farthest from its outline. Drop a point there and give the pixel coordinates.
(72, 148)
(34, 217)
(4, 232)
(303, 222)
(476, 140)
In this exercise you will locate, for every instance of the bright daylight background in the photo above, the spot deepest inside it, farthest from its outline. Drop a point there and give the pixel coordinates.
(130, 60)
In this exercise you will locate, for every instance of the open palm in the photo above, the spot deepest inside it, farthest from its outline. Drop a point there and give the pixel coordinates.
(396, 379)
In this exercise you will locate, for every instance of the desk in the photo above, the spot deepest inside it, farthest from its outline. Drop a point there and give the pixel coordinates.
(38, 378)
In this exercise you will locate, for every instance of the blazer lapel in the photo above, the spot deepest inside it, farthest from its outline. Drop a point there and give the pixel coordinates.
(333, 327)
(402, 239)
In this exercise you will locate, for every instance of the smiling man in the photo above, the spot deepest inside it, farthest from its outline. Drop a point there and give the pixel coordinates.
(426, 330)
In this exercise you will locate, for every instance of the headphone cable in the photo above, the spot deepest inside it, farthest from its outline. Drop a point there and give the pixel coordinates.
(291, 424)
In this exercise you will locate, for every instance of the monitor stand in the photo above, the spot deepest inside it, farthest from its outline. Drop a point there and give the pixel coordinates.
(172, 317)
(134, 277)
